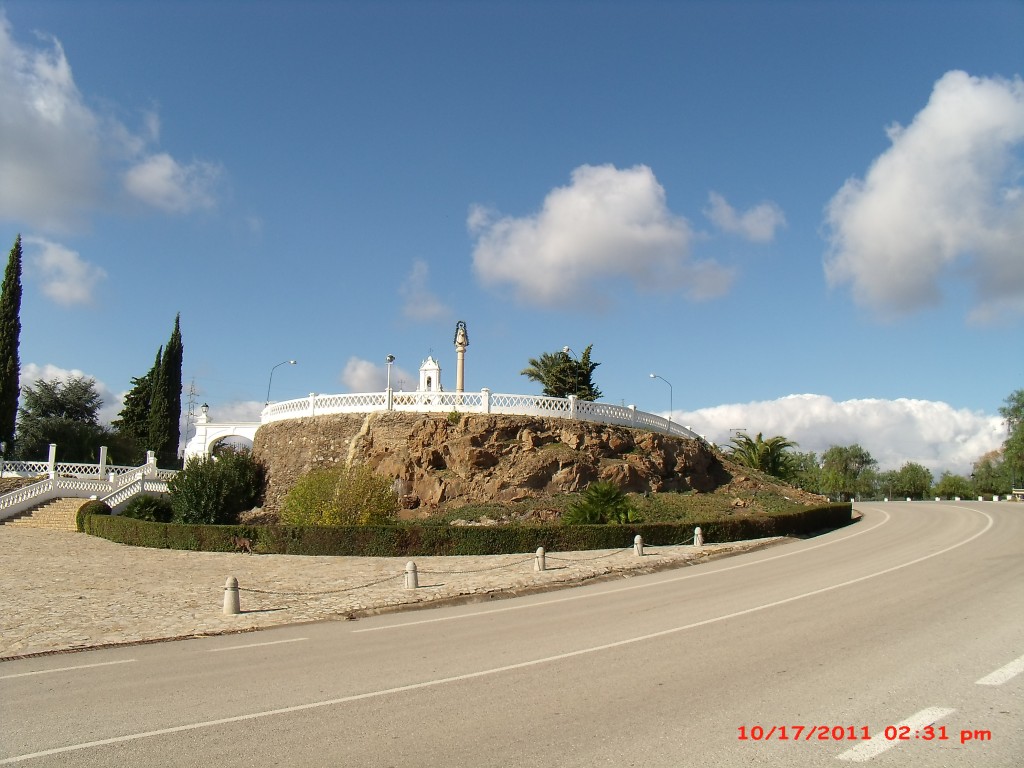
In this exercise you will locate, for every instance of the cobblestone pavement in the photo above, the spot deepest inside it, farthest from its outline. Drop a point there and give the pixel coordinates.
(69, 591)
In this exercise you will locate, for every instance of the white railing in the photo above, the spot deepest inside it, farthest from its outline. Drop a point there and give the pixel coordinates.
(135, 487)
(115, 488)
(474, 402)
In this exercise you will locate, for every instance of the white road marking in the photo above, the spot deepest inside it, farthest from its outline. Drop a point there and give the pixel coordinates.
(481, 673)
(879, 744)
(66, 669)
(257, 645)
(646, 585)
(1003, 674)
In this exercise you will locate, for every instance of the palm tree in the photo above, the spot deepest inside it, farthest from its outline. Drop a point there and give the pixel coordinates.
(770, 456)
(562, 375)
(546, 371)
(603, 502)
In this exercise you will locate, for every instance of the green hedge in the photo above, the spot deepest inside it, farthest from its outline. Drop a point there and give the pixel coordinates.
(425, 540)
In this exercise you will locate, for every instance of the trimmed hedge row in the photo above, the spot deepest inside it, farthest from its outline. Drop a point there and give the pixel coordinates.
(426, 540)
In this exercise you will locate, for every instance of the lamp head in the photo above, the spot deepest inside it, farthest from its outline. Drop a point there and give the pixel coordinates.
(389, 359)
(654, 375)
(292, 362)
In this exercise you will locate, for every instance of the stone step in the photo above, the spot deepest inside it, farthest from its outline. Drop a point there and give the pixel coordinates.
(54, 515)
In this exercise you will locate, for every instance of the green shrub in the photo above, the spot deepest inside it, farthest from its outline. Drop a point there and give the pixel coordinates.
(91, 507)
(216, 490)
(340, 496)
(601, 502)
(155, 509)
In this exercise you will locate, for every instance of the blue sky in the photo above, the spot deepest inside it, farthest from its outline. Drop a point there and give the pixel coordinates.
(806, 216)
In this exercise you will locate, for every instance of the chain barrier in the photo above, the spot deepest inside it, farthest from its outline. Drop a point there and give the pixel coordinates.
(324, 592)
(515, 563)
(482, 570)
(590, 559)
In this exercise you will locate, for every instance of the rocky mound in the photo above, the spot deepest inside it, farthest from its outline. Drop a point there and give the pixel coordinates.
(448, 461)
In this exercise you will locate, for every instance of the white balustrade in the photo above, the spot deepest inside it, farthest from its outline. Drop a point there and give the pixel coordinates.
(484, 401)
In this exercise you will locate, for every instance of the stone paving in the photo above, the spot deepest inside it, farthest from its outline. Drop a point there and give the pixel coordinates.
(66, 591)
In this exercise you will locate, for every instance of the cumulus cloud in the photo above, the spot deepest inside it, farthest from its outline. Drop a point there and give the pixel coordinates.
(58, 156)
(236, 411)
(607, 227)
(363, 376)
(928, 432)
(49, 140)
(164, 183)
(66, 277)
(420, 303)
(112, 402)
(944, 200)
(757, 224)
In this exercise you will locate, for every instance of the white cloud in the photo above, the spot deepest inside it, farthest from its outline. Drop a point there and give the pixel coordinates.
(363, 376)
(58, 156)
(757, 224)
(945, 200)
(49, 140)
(420, 302)
(237, 411)
(607, 228)
(164, 183)
(67, 278)
(894, 431)
(112, 402)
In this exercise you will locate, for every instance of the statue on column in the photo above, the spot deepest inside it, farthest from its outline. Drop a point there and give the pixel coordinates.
(461, 342)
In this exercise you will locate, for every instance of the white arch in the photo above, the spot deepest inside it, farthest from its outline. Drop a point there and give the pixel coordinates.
(208, 434)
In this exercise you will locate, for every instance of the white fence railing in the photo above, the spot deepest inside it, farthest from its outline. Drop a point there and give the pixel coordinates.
(475, 402)
(114, 486)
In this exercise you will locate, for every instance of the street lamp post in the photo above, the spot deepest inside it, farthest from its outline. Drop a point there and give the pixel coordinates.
(656, 376)
(3, 453)
(270, 381)
(389, 360)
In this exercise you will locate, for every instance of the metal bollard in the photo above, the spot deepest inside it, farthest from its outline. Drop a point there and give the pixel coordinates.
(412, 581)
(638, 545)
(698, 537)
(539, 560)
(231, 606)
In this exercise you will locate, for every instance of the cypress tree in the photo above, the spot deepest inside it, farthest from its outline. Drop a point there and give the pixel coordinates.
(165, 405)
(10, 337)
(133, 420)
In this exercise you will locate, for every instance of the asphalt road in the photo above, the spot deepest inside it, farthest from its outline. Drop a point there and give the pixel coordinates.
(908, 623)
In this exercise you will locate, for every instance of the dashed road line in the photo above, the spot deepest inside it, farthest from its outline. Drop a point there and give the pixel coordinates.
(257, 645)
(876, 746)
(66, 669)
(1003, 674)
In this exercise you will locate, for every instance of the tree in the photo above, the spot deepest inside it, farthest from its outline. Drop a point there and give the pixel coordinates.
(951, 486)
(806, 471)
(561, 375)
(912, 480)
(842, 467)
(165, 404)
(61, 412)
(770, 456)
(133, 420)
(991, 474)
(10, 338)
(1013, 447)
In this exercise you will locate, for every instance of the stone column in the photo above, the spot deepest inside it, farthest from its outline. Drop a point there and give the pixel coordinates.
(461, 342)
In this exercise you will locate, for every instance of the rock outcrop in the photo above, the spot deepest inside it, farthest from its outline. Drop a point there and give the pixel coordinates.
(446, 461)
